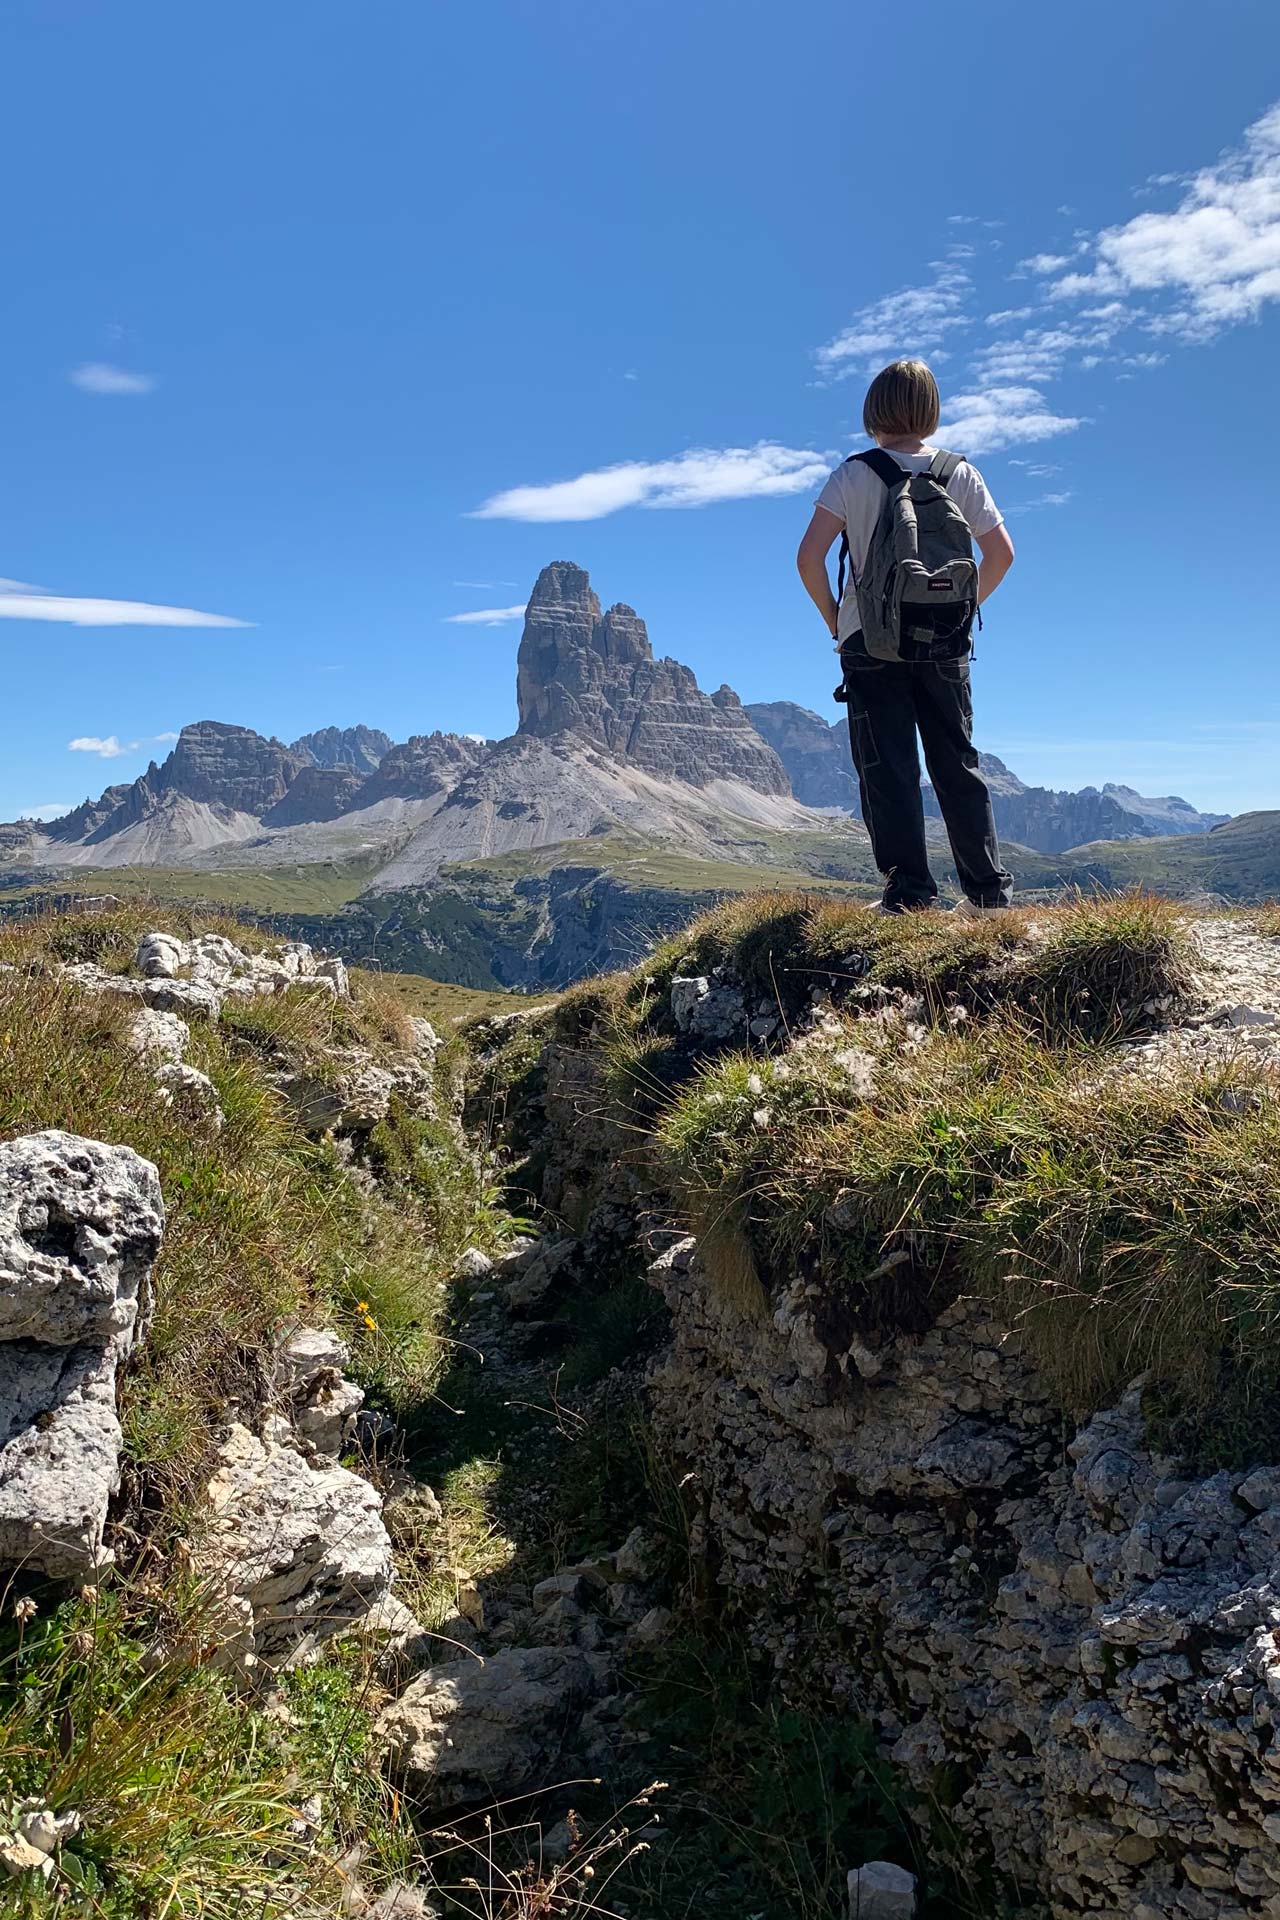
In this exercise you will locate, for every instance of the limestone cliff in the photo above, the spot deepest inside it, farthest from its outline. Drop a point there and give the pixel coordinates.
(593, 675)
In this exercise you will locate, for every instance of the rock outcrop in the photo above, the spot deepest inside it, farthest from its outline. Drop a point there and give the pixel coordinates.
(80, 1228)
(814, 752)
(593, 675)
(358, 749)
(478, 1731)
(294, 1549)
(1083, 1640)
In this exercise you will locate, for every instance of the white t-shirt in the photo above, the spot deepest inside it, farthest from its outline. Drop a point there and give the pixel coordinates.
(855, 496)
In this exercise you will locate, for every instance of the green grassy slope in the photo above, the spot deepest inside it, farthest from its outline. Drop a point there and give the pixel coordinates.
(1240, 860)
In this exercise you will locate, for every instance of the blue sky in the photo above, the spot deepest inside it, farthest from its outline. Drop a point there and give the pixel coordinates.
(342, 320)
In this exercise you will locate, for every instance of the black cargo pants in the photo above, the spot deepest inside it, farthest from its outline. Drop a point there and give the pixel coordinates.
(889, 702)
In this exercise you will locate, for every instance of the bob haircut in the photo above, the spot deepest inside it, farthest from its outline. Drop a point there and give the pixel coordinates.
(902, 400)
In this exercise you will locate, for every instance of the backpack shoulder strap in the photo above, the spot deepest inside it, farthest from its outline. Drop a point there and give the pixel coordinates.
(883, 465)
(943, 465)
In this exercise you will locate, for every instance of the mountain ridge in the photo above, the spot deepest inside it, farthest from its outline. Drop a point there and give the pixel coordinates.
(610, 737)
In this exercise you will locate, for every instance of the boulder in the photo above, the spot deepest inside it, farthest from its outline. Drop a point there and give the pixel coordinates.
(160, 956)
(195, 999)
(473, 1731)
(291, 1549)
(351, 1100)
(881, 1891)
(531, 1275)
(158, 1035)
(80, 1228)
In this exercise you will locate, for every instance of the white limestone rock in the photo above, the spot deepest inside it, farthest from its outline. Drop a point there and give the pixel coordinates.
(707, 1010)
(881, 1891)
(157, 1035)
(335, 970)
(322, 1404)
(193, 999)
(161, 957)
(293, 1549)
(80, 1227)
(474, 1731)
(353, 1099)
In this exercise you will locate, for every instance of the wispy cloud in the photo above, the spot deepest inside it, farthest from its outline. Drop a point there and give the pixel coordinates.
(698, 478)
(913, 320)
(99, 376)
(991, 418)
(108, 747)
(1042, 500)
(486, 616)
(21, 602)
(47, 810)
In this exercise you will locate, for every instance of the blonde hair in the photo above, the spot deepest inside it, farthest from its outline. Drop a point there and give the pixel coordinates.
(902, 400)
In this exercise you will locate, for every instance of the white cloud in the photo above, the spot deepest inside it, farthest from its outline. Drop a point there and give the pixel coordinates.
(1042, 500)
(1043, 263)
(992, 418)
(485, 616)
(1216, 255)
(19, 602)
(99, 376)
(108, 748)
(698, 478)
(1009, 313)
(909, 321)
(47, 810)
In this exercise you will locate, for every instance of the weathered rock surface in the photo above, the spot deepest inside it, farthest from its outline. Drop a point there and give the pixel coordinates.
(160, 1036)
(881, 1891)
(593, 674)
(472, 1730)
(320, 1403)
(192, 1093)
(80, 1227)
(291, 1549)
(1084, 1641)
(358, 748)
(814, 751)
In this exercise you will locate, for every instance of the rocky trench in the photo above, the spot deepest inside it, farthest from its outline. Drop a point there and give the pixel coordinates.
(1067, 1644)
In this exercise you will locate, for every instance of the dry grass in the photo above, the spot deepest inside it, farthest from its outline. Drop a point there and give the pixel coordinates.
(188, 1794)
(1084, 968)
(1124, 1223)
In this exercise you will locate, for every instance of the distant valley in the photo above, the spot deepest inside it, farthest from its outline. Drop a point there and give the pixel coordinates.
(626, 796)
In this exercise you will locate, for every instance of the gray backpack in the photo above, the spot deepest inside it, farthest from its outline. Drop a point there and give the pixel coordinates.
(918, 592)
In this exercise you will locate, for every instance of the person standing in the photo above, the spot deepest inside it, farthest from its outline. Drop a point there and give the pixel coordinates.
(906, 511)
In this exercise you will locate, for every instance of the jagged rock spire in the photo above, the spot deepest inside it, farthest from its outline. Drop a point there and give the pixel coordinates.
(593, 675)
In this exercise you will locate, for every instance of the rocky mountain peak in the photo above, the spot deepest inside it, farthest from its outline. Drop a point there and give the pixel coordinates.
(593, 675)
(358, 748)
(229, 766)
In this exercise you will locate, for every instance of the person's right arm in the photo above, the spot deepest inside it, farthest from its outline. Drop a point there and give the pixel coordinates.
(996, 549)
(820, 536)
